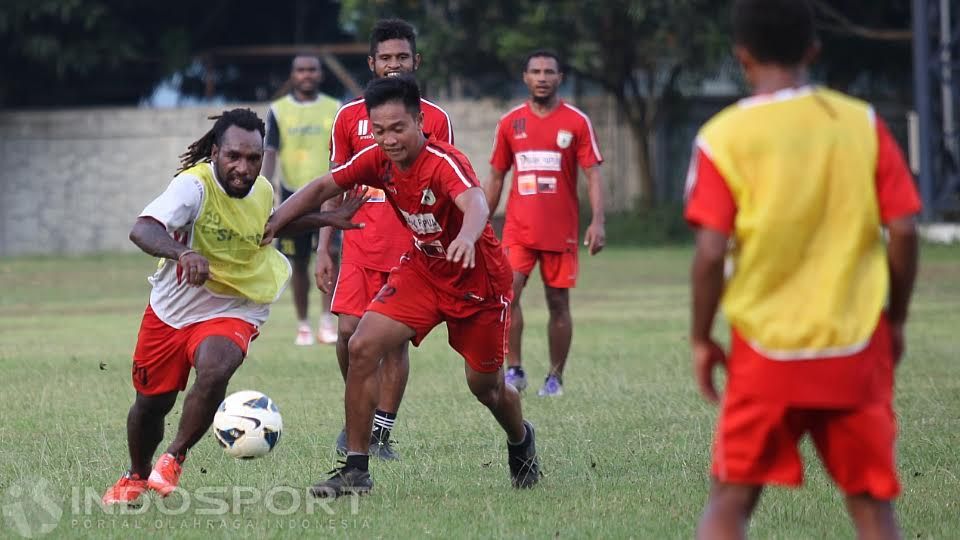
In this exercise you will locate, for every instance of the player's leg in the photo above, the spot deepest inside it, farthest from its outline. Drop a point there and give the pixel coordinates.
(160, 371)
(394, 372)
(728, 511)
(873, 518)
(300, 287)
(404, 309)
(375, 334)
(216, 359)
(858, 449)
(559, 273)
(755, 444)
(328, 329)
(217, 348)
(145, 422)
(346, 326)
(522, 261)
(559, 337)
(480, 339)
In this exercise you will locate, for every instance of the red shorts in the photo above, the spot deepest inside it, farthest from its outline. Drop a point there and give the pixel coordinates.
(558, 269)
(756, 443)
(477, 327)
(164, 355)
(356, 287)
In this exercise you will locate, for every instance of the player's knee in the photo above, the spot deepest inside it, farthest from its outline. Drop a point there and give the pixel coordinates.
(160, 404)
(363, 352)
(486, 392)
(218, 373)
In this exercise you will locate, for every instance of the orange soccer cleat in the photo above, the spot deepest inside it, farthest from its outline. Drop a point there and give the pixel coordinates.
(127, 490)
(165, 475)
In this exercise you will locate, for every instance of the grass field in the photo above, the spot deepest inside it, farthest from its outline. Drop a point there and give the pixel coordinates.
(625, 451)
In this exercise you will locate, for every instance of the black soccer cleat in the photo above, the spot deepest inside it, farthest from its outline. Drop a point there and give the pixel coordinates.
(522, 458)
(345, 481)
(382, 448)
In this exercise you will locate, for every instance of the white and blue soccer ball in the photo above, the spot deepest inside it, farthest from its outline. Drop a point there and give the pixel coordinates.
(247, 424)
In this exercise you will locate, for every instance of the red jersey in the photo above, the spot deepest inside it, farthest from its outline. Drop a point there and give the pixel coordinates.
(384, 239)
(423, 197)
(543, 206)
(860, 377)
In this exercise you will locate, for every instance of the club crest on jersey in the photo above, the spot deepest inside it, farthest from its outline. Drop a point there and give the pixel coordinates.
(564, 138)
(428, 199)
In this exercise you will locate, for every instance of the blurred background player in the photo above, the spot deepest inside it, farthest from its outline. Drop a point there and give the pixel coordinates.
(544, 140)
(298, 132)
(801, 178)
(457, 275)
(210, 295)
(370, 253)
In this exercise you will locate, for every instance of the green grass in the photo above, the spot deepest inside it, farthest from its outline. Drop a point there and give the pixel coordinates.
(625, 451)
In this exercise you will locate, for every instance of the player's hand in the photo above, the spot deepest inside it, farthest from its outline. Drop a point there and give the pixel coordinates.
(269, 232)
(707, 355)
(898, 341)
(463, 251)
(595, 238)
(195, 268)
(340, 216)
(324, 271)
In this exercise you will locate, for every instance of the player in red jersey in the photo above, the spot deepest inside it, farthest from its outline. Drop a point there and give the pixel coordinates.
(369, 253)
(456, 273)
(544, 140)
(816, 301)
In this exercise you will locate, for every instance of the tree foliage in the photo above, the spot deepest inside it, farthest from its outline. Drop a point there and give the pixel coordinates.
(81, 52)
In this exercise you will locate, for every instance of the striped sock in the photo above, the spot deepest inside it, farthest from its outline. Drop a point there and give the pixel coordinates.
(383, 424)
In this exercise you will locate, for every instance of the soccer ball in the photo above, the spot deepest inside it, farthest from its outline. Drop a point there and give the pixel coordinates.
(247, 424)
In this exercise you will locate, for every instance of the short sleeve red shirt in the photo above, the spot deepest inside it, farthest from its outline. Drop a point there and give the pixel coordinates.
(423, 198)
(543, 206)
(854, 378)
(384, 239)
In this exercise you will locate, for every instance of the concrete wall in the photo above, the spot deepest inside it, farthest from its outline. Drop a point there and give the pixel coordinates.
(73, 181)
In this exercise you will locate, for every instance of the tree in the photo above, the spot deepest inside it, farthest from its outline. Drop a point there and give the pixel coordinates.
(635, 50)
(94, 52)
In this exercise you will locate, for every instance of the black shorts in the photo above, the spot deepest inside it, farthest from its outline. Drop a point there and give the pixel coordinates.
(305, 244)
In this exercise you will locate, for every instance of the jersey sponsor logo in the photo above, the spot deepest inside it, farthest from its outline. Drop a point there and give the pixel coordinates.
(546, 184)
(564, 138)
(428, 199)
(422, 223)
(538, 160)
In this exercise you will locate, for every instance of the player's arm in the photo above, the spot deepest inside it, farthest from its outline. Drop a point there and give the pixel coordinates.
(271, 145)
(494, 188)
(151, 236)
(323, 273)
(899, 203)
(301, 212)
(711, 210)
(476, 213)
(596, 236)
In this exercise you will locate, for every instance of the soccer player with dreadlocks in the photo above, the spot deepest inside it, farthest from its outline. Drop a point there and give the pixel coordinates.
(211, 293)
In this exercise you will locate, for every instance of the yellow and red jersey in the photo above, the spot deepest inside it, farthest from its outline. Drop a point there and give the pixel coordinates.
(801, 180)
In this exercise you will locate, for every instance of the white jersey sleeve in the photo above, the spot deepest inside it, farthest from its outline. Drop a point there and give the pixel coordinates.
(177, 207)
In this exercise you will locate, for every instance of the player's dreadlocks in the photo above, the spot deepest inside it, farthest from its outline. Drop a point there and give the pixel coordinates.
(200, 149)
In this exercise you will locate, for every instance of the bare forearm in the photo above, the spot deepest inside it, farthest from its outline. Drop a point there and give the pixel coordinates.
(307, 223)
(595, 193)
(306, 200)
(476, 213)
(706, 278)
(902, 253)
(151, 236)
(493, 188)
